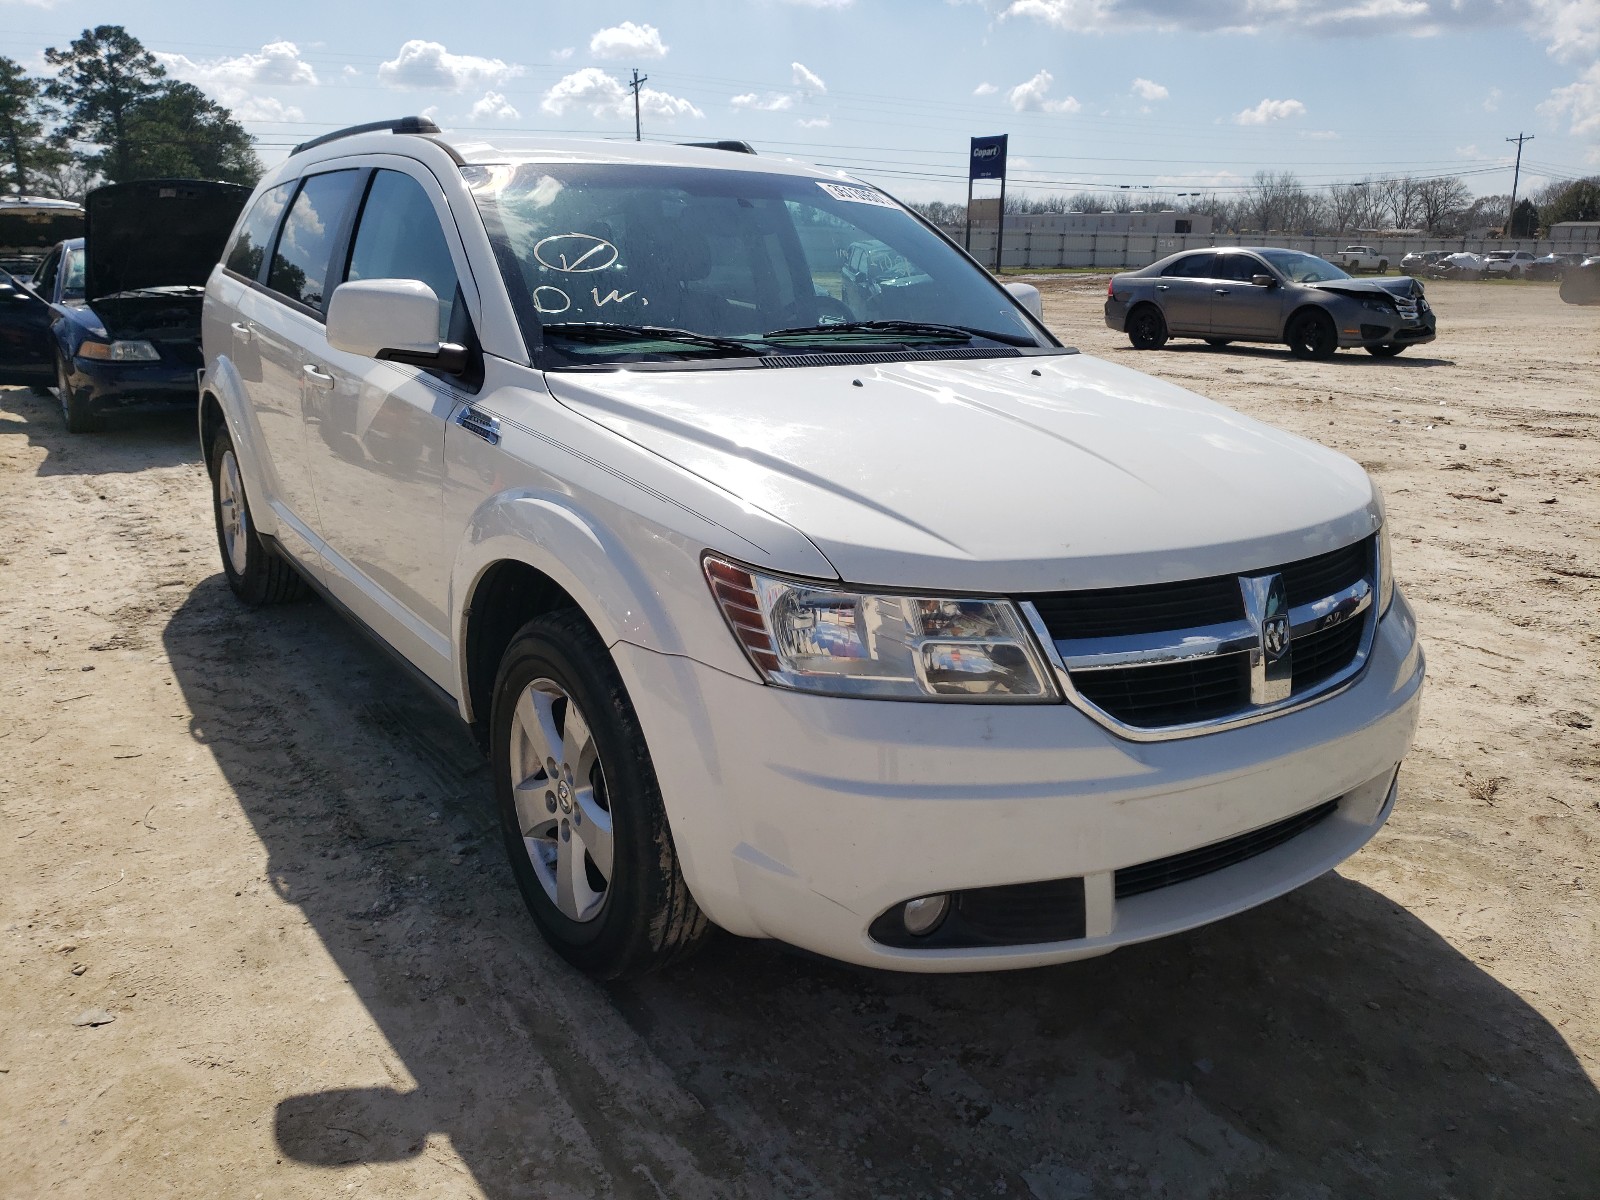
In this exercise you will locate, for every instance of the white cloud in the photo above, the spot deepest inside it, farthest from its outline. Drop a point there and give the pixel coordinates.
(1491, 102)
(1032, 96)
(1320, 135)
(278, 63)
(821, 3)
(807, 80)
(1148, 90)
(814, 122)
(985, 89)
(771, 102)
(252, 106)
(421, 64)
(562, 54)
(628, 41)
(493, 107)
(350, 72)
(1569, 29)
(606, 96)
(1579, 102)
(1268, 111)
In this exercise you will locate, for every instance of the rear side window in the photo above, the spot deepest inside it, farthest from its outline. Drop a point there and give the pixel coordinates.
(249, 250)
(399, 238)
(1193, 266)
(304, 255)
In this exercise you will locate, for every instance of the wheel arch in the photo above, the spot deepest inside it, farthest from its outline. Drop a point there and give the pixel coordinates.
(224, 404)
(1299, 310)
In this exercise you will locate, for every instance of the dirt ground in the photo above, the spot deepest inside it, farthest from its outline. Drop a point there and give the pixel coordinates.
(248, 841)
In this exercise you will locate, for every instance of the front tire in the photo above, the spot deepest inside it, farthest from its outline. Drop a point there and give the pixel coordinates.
(1387, 350)
(580, 808)
(1147, 328)
(257, 574)
(1383, 266)
(1312, 335)
(75, 410)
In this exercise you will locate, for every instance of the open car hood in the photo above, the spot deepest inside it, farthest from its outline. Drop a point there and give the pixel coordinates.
(156, 233)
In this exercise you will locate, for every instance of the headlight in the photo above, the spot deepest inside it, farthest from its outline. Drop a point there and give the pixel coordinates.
(1377, 306)
(119, 351)
(1385, 555)
(813, 637)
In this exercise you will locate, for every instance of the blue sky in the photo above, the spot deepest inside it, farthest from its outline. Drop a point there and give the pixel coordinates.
(1180, 94)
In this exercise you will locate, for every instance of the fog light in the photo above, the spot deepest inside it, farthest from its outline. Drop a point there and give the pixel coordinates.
(922, 916)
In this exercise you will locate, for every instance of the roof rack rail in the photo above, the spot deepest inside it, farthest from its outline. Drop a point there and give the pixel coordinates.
(397, 125)
(729, 145)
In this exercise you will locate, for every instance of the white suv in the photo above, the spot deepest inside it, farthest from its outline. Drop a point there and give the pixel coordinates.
(885, 626)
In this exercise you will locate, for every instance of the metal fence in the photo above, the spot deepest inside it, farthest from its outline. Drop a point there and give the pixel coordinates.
(1125, 251)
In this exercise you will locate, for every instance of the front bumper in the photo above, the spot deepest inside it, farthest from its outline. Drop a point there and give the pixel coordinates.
(1364, 327)
(804, 818)
(113, 384)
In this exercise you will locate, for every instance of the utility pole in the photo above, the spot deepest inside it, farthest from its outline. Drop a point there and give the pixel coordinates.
(1516, 175)
(638, 82)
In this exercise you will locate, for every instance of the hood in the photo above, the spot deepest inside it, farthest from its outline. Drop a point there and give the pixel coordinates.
(156, 233)
(1001, 475)
(1400, 285)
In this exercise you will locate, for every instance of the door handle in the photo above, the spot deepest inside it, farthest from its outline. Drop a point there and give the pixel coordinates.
(319, 379)
(241, 331)
(1161, 287)
(1220, 291)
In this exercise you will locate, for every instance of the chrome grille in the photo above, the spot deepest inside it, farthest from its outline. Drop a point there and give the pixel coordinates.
(1192, 656)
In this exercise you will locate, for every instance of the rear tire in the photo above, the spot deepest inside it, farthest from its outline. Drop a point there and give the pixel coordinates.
(580, 807)
(75, 410)
(1312, 335)
(1387, 350)
(1147, 328)
(258, 574)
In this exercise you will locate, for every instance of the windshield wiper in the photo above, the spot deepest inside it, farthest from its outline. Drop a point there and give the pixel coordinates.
(927, 328)
(606, 331)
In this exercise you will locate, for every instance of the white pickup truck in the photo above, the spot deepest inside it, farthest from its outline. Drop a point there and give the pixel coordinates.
(1362, 258)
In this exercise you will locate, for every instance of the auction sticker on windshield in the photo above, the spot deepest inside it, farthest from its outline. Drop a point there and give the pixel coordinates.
(856, 195)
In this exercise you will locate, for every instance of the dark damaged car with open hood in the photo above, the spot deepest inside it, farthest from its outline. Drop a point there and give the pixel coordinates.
(1264, 294)
(113, 318)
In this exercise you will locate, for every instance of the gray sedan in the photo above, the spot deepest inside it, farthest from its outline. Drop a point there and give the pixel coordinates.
(1261, 294)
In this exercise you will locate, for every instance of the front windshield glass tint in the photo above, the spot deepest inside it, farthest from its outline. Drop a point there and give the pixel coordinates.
(1302, 268)
(732, 256)
(72, 277)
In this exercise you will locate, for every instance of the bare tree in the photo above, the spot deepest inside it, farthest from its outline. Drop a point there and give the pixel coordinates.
(1439, 198)
(1397, 201)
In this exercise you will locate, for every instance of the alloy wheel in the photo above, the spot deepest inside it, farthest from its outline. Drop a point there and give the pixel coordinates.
(235, 517)
(563, 811)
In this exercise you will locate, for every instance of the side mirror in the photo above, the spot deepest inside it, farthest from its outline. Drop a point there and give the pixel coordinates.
(1028, 296)
(1263, 281)
(392, 320)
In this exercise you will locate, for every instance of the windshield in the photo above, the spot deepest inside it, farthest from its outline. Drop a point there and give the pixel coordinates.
(72, 279)
(623, 262)
(1302, 268)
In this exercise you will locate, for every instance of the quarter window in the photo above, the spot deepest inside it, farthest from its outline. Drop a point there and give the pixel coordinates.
(399, 238)
(304, 254)
(249, 250)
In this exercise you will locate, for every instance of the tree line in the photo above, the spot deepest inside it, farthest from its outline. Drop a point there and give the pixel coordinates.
(1279, 202)
(110, 114)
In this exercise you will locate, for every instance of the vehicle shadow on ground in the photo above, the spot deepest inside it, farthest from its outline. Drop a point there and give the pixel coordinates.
(1328, 1044)
(1280, 354)
(134, 440)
